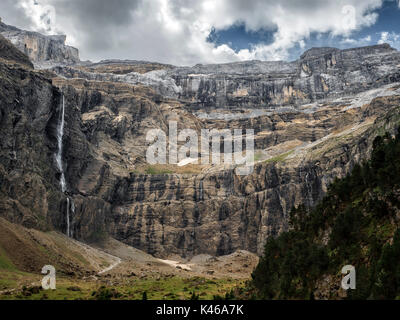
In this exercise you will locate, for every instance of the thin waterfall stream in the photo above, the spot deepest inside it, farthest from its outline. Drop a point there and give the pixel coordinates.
(63, 184)
(60, 134)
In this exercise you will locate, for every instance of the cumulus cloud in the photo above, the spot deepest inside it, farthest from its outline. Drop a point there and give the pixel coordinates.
(176, 31)
(357, 42)
(43, 17)
(391, 38)
(12, 13)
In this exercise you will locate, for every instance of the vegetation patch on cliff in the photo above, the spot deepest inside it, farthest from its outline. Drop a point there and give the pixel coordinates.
(160, 169)
(280, 158)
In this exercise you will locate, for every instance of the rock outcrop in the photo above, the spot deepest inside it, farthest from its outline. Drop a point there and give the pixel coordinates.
(44, 51)
(11, 54)
(30, 107)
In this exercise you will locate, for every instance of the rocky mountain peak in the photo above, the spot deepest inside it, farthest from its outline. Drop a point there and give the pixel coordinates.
(318, 52)
(43, 50)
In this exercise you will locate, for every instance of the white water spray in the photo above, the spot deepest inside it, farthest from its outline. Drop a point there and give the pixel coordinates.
(63, 184)
(60, 134)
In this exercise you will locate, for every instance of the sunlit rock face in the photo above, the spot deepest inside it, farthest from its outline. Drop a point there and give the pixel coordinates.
(313, 120)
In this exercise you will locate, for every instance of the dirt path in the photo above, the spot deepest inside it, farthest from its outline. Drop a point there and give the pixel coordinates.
(112, 266)
(176, 264)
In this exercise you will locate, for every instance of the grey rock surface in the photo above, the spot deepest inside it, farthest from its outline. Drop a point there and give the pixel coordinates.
(320, 73)
(44, 51)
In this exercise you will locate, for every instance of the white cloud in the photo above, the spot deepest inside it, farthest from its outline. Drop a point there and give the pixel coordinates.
(43, 17)
(176, 31)
(357, 42)
(391, 38)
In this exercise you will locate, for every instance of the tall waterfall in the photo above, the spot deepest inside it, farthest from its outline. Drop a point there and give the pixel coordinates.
(60, 134)
(63, 184)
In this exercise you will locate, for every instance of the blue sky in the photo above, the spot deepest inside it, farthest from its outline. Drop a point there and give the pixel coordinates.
(385, 29)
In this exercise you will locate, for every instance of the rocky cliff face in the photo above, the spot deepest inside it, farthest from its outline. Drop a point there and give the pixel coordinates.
(320, 73)
(29, 112)
(208, 209)
(167, 209)
(44, 51)
(9, 54)
(219, 212)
